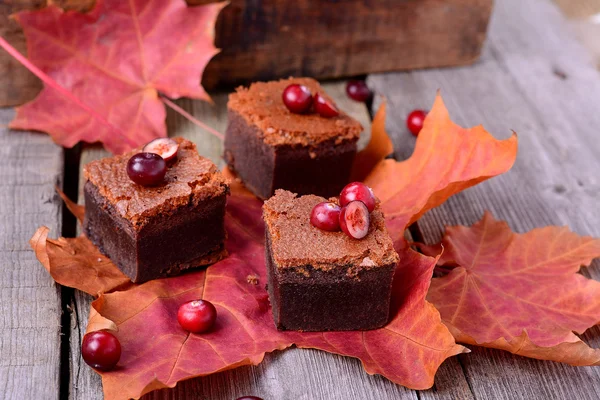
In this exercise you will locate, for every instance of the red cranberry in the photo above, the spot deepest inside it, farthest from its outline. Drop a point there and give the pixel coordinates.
(324, 107)
(326, 216)
(358, 191)
(297, 98)
(415, 120)
(197, 316)
(358, 91)
(354, 219)
(164, 147)
(101, 350)
(147, 169)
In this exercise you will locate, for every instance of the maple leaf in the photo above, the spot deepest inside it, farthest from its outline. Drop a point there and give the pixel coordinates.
(76, 262)
(115, 60)
(245, 330)
(447, 159)
(379, 147)
(414, 334)
(519, 292)
(408, 350)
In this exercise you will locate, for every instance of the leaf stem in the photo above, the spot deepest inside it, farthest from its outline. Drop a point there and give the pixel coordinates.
(53, 84)
(191, 118)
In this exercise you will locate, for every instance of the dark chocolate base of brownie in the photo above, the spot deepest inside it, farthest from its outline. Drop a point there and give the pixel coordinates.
(323, 170)
(191, 237)
(328, 300)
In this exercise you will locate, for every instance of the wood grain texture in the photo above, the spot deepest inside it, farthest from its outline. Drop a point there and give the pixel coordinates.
(534, 78)
(294, 373)
(17, 84)
(262, 40)
(30, 166)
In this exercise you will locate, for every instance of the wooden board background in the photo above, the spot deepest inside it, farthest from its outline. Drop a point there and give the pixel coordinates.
(272, 39)
(30, 302)
(533, 78)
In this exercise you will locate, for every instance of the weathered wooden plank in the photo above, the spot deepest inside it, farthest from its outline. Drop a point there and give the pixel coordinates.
(277, 38)
(30, 303)
(536, 79)
(294, 373)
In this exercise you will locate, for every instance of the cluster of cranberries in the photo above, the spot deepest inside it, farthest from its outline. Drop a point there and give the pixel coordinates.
(149, 167)
(351, 215)
(102, 350)
(298, 99)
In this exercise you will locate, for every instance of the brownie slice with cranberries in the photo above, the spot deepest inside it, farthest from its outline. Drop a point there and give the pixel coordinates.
(325, 281)
(157, 231)
(269, 147)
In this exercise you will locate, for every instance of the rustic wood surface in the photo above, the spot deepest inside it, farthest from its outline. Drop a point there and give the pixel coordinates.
(30, 303)
(533, 77)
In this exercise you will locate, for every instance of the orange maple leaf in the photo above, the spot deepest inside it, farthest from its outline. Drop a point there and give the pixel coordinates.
(447, 159)
(379, 147)
(519, 292)
(115, 60)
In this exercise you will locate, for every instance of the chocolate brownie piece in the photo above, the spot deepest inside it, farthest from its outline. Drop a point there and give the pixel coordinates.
(271, 148)
(152, 232)
(325, 281)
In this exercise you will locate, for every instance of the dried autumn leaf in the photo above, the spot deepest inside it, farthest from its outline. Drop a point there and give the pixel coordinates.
(77, 210)
(379, 147)
(447, 159)
(116, 59)
(76, 262)
(38, 244)
(97, 322)
(412, 346)
(519, 292)
(245, 329)
(408, 350)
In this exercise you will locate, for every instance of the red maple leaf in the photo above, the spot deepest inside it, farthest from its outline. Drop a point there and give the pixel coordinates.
(519, 292)
(115, 60)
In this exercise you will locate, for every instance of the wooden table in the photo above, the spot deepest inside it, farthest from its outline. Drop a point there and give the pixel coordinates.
(533, 78)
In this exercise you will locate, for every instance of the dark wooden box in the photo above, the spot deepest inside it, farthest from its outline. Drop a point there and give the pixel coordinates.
(267, 39)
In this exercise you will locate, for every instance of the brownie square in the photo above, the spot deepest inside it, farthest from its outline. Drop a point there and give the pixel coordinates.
(271, 148)
(325, 281)
(152, 232)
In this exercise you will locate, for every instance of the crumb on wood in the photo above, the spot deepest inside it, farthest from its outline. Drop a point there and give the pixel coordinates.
(560, 73)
